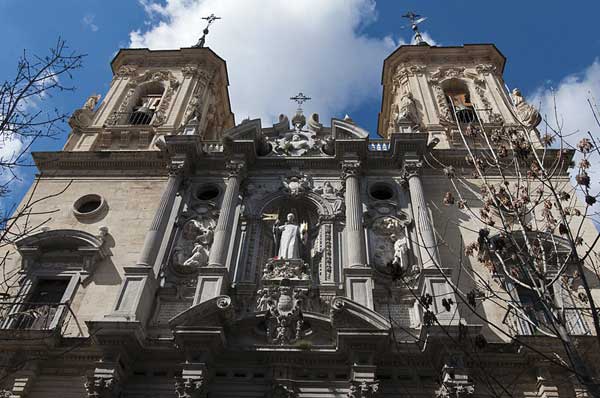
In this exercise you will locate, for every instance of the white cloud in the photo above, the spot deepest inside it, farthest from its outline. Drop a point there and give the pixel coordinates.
(573, 111)
(10, 149)
(274, 49)
(88, 20)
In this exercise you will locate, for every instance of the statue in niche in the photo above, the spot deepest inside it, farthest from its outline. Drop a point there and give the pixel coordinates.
(193, 246)
(400, 260)
(526, 113)
(406, 110)
(290, 237)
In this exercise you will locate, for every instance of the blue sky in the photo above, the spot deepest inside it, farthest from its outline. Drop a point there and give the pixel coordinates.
(325, 48)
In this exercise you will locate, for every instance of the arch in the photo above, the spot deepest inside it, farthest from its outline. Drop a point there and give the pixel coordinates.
(322, 206)
(61, 251)
(458, 95)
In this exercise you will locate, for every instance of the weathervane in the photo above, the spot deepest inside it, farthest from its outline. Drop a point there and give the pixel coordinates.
(415, 20)
(210, 19)
(300, 98)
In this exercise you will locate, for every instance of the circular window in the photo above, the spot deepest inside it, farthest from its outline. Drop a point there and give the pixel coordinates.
(208, 192)
(89, 206)
(381, 191)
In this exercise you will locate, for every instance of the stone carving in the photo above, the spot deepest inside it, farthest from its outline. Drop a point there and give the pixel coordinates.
(445, 114)
(364, 389)
(400, 260)
(294, 144)
(91, 102)
(313, 123)
(127, 71)
(334, 195)
(189, 387)
(526, 113)
(290, 237)
(115, 117)
(406, 111)
(458, 386)
(328, 145)
(494, 117)
(193, 246)
(284, 316)
(99, 387)
(277, 269)
(296, 186)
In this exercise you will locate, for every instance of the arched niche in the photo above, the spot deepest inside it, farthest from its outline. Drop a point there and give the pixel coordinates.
(308, 209)
(460, 99)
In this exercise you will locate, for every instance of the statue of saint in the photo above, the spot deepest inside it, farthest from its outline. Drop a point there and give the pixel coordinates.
(407, 110)
(291, 239)
(90, 103)
(400, 252)
(526, 113)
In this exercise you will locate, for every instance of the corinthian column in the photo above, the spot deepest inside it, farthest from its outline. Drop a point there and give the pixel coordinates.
(156, 231)
(218, 251)
(426, 237)
(354, 233)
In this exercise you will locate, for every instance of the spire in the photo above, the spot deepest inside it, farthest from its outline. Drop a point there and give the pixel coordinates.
(210, 19)
(415, 20)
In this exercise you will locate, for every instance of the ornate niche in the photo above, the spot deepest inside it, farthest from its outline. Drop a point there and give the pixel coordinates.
(146, 100)
(389, 238)
(193, 237)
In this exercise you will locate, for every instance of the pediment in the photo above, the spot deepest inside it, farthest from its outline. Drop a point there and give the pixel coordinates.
(348, 314)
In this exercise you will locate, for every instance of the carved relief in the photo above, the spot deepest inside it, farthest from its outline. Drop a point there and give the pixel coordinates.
(189, 387)
(284, 316)
(364, 389)
(494, 117)
(115, 117)
(296, 185)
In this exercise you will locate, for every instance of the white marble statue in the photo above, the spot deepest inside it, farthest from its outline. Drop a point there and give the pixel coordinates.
(400, 252)
(526, 113)
(291, 238)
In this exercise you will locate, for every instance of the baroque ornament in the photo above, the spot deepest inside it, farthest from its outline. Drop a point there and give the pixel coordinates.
(526, 113)
(364, 389)
(193, 246)
(296, 186)
(189, 387)
(284, 315)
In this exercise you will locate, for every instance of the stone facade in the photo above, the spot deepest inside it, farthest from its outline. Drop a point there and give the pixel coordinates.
(168, 241)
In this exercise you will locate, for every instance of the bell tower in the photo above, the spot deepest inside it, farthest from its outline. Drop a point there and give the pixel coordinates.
(437, 90)
(152, 94)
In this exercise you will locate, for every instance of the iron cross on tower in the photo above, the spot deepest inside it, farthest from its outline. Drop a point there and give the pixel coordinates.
(210, 19)
(300, 98)
(415, 20)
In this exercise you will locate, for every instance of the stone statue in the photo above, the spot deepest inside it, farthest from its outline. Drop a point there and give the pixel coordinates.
(407, 110)
(193, 247)
(291, 239)
(263, 300)
(526, 113)
(400, 252)
(91, 102)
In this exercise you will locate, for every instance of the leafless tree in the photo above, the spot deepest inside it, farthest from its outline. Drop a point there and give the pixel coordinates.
(26, 118)
(534, 237)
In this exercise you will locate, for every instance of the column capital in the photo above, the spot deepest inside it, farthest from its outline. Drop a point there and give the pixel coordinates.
(236, 168)
(350, 168)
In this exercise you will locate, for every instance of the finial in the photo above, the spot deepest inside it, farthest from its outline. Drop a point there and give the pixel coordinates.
(210, 19)
(299, 120)
(415, 20)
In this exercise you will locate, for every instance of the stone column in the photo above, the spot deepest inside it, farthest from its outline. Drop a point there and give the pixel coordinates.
(156, 232)
(222, 236)
(354, 232)
(424, 227)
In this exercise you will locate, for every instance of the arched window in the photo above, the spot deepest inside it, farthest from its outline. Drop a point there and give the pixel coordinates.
(146, 102)
(459, 99)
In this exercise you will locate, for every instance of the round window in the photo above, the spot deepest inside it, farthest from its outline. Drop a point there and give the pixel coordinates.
(208, 192)
(88, 206)
(381, 191)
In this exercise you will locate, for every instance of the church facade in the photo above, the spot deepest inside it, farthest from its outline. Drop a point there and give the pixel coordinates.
(190, 256)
